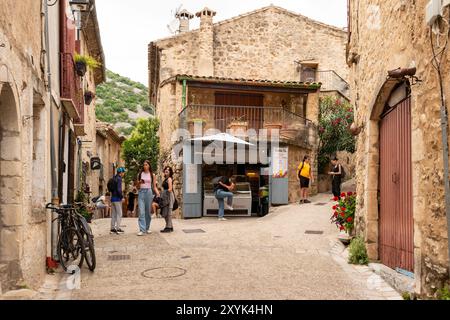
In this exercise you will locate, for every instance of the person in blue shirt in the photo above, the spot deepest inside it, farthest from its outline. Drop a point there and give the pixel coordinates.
(116, 202)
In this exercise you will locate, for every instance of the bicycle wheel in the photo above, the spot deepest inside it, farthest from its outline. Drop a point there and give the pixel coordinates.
(89, 251)
(70, 248)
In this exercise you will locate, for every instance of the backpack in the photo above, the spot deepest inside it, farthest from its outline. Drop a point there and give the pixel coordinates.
(343, 173)
(300, 171)
(112, 184)
(215, 183)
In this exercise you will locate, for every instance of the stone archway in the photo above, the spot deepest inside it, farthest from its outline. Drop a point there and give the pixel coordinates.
(11, 187)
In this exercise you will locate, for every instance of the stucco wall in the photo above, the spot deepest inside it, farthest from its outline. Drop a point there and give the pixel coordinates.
(388, 35)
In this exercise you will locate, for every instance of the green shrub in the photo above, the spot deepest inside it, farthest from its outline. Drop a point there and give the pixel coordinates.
(444, 293)
(358, 252)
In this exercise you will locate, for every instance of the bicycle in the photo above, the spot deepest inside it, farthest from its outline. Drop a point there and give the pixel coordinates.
(75, 238)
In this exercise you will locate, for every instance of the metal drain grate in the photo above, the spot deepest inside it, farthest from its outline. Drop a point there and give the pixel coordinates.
(194, 231)
(313, 232)
(320, 204)
(119, 257)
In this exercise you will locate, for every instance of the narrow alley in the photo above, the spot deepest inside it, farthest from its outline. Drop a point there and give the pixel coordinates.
(257, 258)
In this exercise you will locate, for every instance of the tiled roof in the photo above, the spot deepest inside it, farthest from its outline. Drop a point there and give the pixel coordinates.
(255, 82)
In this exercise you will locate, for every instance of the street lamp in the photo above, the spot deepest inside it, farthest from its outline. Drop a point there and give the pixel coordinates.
(79, 5)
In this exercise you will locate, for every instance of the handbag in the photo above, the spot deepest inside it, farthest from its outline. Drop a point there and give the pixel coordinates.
(176, 205)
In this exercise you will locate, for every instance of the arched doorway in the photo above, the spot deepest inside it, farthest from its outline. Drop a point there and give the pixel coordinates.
(11, 188)
(390, 223)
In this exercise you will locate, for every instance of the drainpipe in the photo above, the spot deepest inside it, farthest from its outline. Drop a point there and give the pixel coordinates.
(54, 185)
(444, 126)
(184, 93)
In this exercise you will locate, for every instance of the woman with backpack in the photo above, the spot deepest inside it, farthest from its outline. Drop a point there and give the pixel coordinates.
(337, 173)
(168, 199)
(146, 184)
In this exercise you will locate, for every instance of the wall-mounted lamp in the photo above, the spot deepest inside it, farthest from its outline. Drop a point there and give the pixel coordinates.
(80, 5)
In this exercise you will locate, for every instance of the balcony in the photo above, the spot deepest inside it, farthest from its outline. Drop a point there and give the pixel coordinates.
(331, 81)
(71, 92)
(293, 128)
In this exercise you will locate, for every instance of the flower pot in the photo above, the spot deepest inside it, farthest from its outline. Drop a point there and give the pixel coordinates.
(238, 128)
(80, 68)
(271, 127)
(88, 97)
(289, 134)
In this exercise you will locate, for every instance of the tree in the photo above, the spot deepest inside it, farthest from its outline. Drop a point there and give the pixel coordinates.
(142, 145)
(336, 116)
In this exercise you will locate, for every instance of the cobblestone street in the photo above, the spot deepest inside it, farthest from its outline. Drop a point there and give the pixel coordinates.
(257, 258)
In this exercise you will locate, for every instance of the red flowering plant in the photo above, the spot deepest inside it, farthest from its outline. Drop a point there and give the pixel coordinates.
(344, 212)
(336, 116)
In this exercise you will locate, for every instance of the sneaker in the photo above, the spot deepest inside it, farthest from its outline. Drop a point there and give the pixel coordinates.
(307, 201)
(148, 231)
(223, 219)
(227, 207)
(120, 231)
(113, 231)
(166, 230)
(140, 234)
(300, 202)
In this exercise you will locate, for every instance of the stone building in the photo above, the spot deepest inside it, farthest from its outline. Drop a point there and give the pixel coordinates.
(260, 70)
(400, 175)
(108, 151)
(42, 117)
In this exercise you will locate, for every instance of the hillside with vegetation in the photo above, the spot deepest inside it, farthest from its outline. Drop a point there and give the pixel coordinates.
(121, 102)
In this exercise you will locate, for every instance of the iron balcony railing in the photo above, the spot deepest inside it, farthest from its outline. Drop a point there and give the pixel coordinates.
(292, 127)
(71, 85)
(331, 81)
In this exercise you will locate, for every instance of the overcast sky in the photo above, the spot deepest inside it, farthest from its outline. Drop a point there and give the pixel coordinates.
(127, 26)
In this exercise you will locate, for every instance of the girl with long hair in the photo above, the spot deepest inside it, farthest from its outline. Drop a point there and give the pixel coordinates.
(147, 190)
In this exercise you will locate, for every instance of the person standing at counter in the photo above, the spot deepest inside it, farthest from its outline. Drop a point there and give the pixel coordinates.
(223, 188)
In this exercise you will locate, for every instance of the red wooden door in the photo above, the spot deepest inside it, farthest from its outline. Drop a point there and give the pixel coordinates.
(396, 212)
(243, 106)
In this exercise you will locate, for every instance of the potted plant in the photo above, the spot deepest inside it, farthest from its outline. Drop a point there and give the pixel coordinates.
(83, 210)
(88, 97)
(344, 215)
(82, 62)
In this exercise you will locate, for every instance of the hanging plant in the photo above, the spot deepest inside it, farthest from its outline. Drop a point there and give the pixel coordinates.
(82, 62)
(88, 97)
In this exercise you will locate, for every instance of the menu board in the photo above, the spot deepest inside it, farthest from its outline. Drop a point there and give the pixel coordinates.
(191, 178)
(280, 162)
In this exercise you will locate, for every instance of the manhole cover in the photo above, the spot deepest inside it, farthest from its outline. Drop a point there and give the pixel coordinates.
(119, 257)
(194, 231)
(320, 204)
(164, 273)
(313, 232)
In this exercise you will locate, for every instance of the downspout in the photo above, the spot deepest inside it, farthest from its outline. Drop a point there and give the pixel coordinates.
(54, 184)
(184, 93)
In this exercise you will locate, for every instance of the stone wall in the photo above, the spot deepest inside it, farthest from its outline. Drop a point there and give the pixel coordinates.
(23, 129)
(260, 45)
(388, 35)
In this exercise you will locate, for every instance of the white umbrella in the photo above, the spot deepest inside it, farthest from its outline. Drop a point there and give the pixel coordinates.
(225, 137)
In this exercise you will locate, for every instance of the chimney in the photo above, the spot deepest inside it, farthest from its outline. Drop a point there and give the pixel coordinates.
(206, 43)
(184, 16)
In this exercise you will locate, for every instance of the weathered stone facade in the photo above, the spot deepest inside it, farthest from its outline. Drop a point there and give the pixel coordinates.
(24, 169)
(386, 35)
(26, 104)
